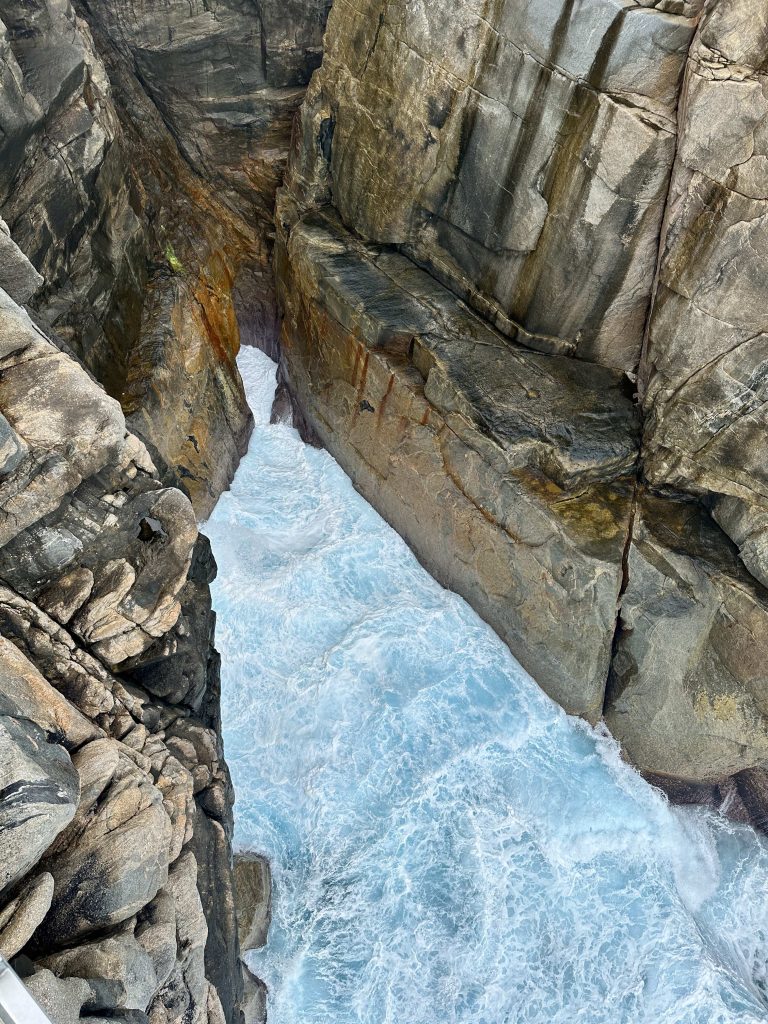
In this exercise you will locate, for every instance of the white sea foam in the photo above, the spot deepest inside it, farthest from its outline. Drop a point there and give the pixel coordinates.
(448, 846)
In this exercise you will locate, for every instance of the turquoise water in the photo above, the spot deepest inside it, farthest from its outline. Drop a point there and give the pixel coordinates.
(448, 847)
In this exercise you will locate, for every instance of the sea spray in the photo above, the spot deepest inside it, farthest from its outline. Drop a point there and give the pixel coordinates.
(448, 847)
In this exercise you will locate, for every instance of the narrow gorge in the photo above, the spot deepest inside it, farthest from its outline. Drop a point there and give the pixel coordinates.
(511, 260)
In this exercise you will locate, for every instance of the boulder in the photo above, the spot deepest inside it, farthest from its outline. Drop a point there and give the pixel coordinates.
(253, 889)
(20, 917)
(39, 787)
(113, 858)
(119, 972)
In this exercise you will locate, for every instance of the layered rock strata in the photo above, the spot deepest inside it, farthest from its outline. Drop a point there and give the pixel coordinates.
(521, 270)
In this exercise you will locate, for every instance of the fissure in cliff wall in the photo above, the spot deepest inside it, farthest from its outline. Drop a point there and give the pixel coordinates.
(500, 223)
(139, 156)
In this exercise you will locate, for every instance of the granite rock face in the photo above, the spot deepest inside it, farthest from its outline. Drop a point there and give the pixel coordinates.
(521, 263)
(505, 148)
(140, 150)
(112, 768)
(141, 188)
(706, 368)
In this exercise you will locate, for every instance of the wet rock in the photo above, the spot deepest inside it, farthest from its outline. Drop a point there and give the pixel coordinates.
(81, 194)
(752, 787)
(255, 998)
(253, 889)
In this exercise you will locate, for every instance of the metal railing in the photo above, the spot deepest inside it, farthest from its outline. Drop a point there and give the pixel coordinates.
(16, 1004)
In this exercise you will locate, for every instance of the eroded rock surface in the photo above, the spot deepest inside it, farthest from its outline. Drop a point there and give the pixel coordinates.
(509, 475)
(111, 756)
(253, 881)
(508, 148)
(140, 185)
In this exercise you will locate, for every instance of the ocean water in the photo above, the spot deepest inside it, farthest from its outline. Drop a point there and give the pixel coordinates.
(448, 847)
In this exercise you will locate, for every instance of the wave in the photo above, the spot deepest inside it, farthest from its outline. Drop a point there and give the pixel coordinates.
(448, 847)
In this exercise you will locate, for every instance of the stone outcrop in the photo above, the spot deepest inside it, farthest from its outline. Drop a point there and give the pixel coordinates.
(141, 187)
(507, 150)
(140, 150)
(110, 751)
(521, 260)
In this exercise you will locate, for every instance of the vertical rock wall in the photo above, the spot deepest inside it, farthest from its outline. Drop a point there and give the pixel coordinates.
(583, 180)
(140, 154)
(140, 150)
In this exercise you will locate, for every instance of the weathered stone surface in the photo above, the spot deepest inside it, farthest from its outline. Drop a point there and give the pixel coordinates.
(253, 888)
(706, 366)
(113, 858)
(20, 917)
(87, 559)
(83, 204)
(17, 275)
(26, 694)
(185, 994)
(120, 973)
(509, 472)
(211, 847)
(136, 211)
(70, 429)
(248, 62)
(95, 807)
(255, 999)
(535, 160)
(688, 696)
(522, 154)
(61, 999)
(39, 787)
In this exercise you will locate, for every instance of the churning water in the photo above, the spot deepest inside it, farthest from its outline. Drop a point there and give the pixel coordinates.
(447, 846)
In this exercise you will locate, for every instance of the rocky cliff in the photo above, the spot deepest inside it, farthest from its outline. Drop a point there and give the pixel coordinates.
(116, 801)
(522, 266)
(140, 150)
